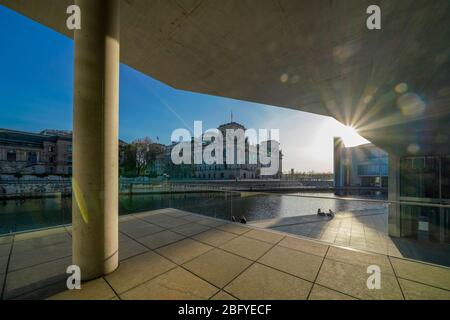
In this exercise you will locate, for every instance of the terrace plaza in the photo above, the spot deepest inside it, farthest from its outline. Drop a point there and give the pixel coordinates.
(173, 254)
(392, 84)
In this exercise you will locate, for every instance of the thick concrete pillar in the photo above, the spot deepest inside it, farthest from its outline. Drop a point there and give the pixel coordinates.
(95, 138)
(394, 196)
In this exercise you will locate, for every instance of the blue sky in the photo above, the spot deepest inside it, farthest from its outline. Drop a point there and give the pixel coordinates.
(36, 81)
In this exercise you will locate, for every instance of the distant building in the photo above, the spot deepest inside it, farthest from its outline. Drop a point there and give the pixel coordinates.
(308, 176)
(226, 171)
(361, 166)
(35, 153)
(46, 153)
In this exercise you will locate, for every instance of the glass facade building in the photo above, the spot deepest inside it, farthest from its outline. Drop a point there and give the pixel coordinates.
(425, 180)
(363, 166)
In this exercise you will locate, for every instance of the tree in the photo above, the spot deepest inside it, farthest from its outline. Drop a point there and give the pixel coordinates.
(129, 163)
(140, 156)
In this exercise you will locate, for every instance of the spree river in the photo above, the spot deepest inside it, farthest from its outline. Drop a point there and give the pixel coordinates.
(22, 215)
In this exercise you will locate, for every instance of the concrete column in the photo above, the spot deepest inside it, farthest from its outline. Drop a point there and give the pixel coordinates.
(394, 195)
(95, 138)
(337, 162)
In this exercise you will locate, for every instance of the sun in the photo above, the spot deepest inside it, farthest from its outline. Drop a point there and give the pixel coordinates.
(351, 131)
(351, 137)
(349, 134)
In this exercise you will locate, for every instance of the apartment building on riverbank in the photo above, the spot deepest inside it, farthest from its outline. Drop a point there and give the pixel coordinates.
(48, 152)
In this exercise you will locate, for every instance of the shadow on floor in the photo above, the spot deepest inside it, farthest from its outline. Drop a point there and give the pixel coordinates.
(364, 231)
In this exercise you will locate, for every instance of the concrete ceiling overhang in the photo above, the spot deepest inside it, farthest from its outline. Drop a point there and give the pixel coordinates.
(315, 56)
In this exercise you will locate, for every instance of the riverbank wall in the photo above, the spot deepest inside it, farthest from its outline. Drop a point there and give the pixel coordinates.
(40, 188)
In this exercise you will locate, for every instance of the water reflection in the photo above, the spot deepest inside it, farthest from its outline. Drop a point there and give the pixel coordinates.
(16, 216)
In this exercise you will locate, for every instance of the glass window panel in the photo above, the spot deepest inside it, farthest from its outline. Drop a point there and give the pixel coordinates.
(419, 177)
(445, 177)
(446, 225)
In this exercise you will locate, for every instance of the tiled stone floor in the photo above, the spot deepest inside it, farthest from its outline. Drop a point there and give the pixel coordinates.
(362, 231)
(172, 254)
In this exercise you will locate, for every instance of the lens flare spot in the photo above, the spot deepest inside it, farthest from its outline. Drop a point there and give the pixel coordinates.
(342, 53)
(284, 78)
(81, 202)
(411, 105)
(413, 148)
(401, 88)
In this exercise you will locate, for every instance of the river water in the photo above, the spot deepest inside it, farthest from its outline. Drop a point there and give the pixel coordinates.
(16, 216)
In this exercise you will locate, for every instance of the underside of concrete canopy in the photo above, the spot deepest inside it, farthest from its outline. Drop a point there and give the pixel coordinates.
(392, 84)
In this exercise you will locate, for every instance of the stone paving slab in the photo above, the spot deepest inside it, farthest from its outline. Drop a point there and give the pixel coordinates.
(3, 263)
(218, 267)
(165, 221)
(178, 213)
(321, 293)
(263, 283)
(226, 261)
(6, 239)
(246, 247)
(160, 239)
(193, 218)
(234, 228)
(420, 272)
(264, 235)
(93, 290)
(222, 295)
(212, 222)
(190, 229)
(137, 228)
(5, 249)
(184, 250)
(32, 278)
(127, 217)
(351, 279)
(177, 284)
(303, 265)
(129, 248)
(306, 246)
(214, 237)
(44, 291)
(417, 291)
(39, 234)
(142, 215)
(360, 259)
(42, 242)
(137, 270)
(2, 281)
(39, 255)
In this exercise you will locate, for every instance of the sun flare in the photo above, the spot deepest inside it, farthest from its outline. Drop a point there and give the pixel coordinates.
(349, 134)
